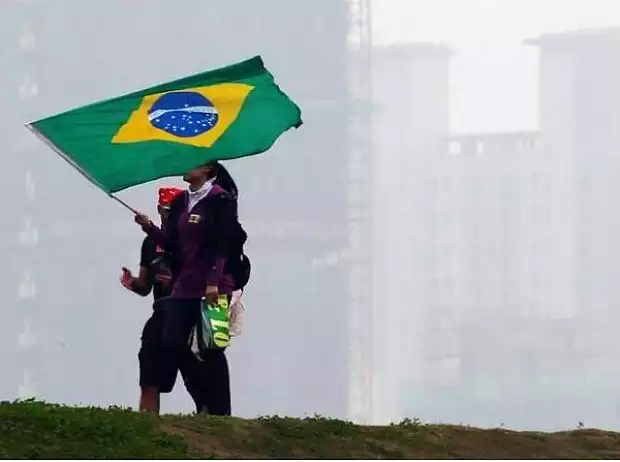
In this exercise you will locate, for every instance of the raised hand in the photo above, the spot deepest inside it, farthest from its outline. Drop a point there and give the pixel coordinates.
(142, 220)
(126, 278)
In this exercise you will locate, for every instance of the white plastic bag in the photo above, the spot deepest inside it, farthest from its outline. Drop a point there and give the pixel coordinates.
(237, 314)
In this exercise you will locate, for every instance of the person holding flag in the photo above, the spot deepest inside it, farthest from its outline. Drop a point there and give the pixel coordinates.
(155, 276)
(201, 233)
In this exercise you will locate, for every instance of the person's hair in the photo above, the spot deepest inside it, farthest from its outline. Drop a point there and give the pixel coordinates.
(224, 180)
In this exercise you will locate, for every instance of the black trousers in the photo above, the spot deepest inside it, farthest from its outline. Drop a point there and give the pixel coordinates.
(150, 360)
(208, 380)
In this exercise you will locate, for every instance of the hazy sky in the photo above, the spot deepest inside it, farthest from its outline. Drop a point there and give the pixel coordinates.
(494, 77)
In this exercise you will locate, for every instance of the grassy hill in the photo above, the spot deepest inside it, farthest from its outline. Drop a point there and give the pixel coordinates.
(42, 431)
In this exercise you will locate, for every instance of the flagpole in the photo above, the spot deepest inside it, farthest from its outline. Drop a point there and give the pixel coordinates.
(70, 161)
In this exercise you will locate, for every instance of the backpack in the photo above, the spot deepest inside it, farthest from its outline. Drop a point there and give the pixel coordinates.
(239, 265)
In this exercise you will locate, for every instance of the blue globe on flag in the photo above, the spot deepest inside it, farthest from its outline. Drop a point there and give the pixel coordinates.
(183, 113)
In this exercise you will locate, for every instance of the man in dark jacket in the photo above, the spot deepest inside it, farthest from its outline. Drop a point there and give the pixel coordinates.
(155, 275)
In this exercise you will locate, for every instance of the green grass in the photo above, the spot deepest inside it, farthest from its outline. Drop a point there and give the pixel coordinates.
(33, 430)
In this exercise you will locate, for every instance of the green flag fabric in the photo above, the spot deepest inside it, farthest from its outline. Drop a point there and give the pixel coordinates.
(166, 130)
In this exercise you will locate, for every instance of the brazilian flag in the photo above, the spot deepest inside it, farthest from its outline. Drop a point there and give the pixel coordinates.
(166, 130)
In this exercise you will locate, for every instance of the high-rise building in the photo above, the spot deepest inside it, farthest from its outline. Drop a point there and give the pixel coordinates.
(578, 108)
(578, 77)
(295, 204)
(410, 118)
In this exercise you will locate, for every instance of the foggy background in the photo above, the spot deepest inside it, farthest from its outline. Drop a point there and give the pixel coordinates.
(439, 240)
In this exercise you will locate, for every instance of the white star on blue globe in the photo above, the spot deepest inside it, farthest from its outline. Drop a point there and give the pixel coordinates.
(183, 114)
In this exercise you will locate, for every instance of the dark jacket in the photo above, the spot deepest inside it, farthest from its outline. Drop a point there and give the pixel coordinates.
(199, 242)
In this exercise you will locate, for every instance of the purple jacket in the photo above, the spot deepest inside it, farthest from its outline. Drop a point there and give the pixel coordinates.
(199, 241)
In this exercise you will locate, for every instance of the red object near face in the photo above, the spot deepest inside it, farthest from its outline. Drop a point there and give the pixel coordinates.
(167, 195)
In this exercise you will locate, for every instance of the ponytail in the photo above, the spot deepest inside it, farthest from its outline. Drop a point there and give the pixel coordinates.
(224, 180)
